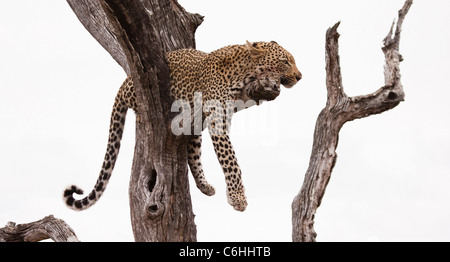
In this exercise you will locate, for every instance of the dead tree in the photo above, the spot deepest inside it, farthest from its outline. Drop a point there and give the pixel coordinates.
(340, 109)
(137, 34)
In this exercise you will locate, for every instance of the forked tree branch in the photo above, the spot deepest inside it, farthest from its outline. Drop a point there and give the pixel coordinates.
(340, 109)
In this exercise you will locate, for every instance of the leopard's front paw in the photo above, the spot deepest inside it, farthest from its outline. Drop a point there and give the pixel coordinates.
(237, 199)
(207, 189)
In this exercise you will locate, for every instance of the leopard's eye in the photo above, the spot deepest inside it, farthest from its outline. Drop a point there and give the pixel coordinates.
(284, 60)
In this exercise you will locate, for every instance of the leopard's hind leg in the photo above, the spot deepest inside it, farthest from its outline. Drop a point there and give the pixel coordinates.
(194, 154)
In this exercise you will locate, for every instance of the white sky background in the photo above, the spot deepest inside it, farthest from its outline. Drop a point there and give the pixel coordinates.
(392, 177)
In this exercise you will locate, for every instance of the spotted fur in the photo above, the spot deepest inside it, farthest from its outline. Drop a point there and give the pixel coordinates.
(253, 71)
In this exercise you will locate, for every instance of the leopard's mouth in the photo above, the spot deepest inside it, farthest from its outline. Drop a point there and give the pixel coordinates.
(288, 82)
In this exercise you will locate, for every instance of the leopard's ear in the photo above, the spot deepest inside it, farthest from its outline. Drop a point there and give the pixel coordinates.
(255, 51)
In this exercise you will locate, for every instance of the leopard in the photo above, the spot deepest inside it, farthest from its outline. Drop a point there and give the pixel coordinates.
(253, 71)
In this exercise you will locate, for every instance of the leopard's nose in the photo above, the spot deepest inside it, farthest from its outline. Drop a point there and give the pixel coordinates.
(298, 76)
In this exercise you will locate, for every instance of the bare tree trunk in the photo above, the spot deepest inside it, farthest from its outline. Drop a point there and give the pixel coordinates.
(137, 34)
(340, 109)
(48, 227)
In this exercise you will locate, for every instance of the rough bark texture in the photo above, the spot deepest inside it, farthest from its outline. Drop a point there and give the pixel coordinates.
(48, 227)
(137, 34)
(340, 109)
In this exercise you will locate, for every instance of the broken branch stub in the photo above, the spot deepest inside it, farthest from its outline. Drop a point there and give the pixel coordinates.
(48, 227)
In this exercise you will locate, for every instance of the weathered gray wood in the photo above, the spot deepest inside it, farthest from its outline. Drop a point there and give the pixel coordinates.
(142, 31)
(48, 227)
(92, 16)
(340, 109)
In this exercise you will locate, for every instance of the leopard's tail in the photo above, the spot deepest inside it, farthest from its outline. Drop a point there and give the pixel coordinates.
(125, 98)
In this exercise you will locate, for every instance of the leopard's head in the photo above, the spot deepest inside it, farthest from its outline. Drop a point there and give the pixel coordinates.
(273, 61)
